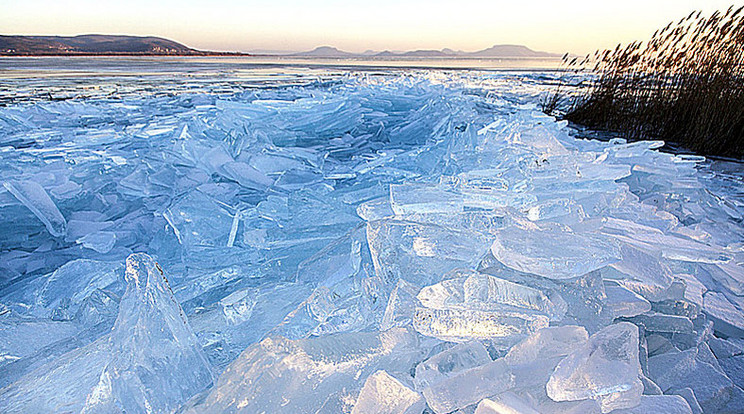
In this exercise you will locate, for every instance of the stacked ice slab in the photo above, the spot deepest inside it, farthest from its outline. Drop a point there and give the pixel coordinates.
(399, 243)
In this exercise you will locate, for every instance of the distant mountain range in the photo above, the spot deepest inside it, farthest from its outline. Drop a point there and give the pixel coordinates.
(95, 44)
(496, 51)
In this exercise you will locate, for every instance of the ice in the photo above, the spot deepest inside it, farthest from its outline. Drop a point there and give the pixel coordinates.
(33, 196)
(449, 362)
(460, 325)
(641, 273)
(153, 347)
(650, 387)
(654, 241)
(672, 404)
(606, 368)
(688, 369)
(547, 343)
(533, 360)
(278, 375)
(382, 393)
(479, 306)
(342, 240)
(471, 290)
(623, 302)
(553, 251)
(238, 306)
(401, 305)
(582, 297)
(468, 387)
(723, 348)
(64, 291)
(659, 322)
(505, 403)
(421, 253)
(689, 396)
(132, 368)
(727, 317)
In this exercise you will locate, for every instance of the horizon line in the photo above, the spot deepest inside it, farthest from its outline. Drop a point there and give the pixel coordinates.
(280, 50)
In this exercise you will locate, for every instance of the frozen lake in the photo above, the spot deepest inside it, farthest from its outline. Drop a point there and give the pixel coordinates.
(248, 235)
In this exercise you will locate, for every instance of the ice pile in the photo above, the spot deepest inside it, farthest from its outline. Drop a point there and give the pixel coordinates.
(381, 243)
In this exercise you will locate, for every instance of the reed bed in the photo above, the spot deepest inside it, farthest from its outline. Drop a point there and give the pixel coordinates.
(684, 85)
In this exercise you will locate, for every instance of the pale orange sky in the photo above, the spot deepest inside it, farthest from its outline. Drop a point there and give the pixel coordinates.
(578, 26)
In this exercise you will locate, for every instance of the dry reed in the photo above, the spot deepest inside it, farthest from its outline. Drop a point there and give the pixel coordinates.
(685, 85)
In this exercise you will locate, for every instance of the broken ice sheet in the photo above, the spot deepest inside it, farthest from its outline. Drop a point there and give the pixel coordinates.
(727, 318)
(670, 404)
(384, 394)
(505, 403)
(479, 306)
(659, 322)
(533, 360)
(150, 348)
(260, 183)
(100, 241)
(582, 296)
(547, 343)
(640, 272)
(468, 387)
(471, 290)
(33, 196)
(279, 375)
(401, 306)
(552, 251)
(66, 288)
(420, 253)
(459, 325)
(623, 302)
(237, 307)
(199, 220)
(449, 362)
(153, 348)
(655, 242)
(606, 368)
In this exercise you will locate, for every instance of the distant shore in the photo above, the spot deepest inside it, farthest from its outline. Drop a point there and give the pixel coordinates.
(110, 54)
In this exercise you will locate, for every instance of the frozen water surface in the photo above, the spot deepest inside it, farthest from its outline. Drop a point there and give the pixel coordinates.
(203, 236)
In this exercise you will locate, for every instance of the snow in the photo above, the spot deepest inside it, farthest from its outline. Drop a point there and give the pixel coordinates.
(324, 240)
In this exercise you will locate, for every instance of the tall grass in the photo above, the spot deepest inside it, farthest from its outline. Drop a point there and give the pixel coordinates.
(684, 85)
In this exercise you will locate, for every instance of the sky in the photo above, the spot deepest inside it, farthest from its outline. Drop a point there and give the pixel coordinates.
(576, 26)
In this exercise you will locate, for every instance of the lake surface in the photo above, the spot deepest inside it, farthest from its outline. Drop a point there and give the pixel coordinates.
(42, 78)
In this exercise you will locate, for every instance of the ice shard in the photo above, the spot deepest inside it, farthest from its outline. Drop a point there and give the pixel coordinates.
(505, 403)
(606, 369)
(384, 394)
(468, 387)
(450, 362)
(623, 302)
(149, 361)
(672, 404)
(307, 375)
(480, 306)
(33, 196)
(157, 361)
(552, 251)
(66, 288)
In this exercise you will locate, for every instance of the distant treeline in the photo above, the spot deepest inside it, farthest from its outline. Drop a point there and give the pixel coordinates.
(685, 85)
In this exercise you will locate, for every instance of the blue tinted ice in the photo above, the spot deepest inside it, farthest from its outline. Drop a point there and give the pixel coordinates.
(282, 239)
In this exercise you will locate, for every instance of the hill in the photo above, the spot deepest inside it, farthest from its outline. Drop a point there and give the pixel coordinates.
(511, 51)
(93, 44)
(326, 52)
(496, 51)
